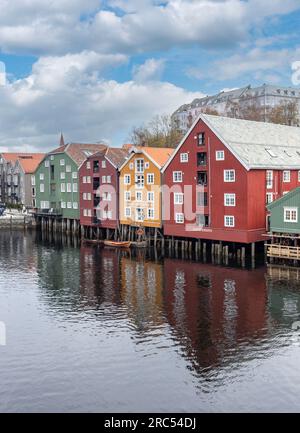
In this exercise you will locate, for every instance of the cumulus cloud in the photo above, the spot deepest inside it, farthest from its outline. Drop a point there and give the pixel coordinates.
(151, 70)
(59, 27)
(67, 94)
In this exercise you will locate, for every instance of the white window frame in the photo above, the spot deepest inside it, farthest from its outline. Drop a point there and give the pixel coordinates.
(140, 194)
(151, 195)
(140, 185)
(47, 163)
(108, 179)
(269, 179)
(69, 187)
(229, 200)
(227, 221)
(127, 179)
(69, 205)
(290, 210)
(127, 212)
(268, 196)
(178, 198)
(103, 163)
(286, 176)
(140, 165)
(127, 196)
(149, 176)
(63, 205)
(62, 162)
(62, 187)
(33, 180)
(150, 213)
(74, 175)
(184, 157)
(220, 155)
(75, 187)
(227, 176)
(68, 169)
(177, 176)
(62, 175)
(139, 216)
(42, 176)
(88, 165)
(179, 218)
(42, 187)
(75, 205)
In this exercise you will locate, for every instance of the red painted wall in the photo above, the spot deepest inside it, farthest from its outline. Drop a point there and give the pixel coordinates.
(250, 188)
(112, 187)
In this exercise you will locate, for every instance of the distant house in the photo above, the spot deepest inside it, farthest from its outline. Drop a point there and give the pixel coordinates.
(56, 179)
(285, 214)
(16, 170)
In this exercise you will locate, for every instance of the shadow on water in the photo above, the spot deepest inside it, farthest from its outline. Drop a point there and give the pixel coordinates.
(217, 319)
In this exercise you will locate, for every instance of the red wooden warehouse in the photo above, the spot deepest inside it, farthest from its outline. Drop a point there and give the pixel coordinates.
(222, 174)
(99, 189)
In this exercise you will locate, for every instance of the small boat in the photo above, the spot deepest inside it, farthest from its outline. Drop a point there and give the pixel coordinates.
(141, 244)
(117, 244)
(93, 241)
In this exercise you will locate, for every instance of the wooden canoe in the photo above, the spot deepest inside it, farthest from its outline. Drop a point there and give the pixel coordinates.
(117, 244)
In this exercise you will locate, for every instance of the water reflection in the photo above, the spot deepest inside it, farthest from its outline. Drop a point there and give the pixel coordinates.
(203, 328)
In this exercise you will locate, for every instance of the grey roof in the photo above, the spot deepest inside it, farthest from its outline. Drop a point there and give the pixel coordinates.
(258, 144)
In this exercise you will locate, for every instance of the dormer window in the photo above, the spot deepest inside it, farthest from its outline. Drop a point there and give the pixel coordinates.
(270, 152)
(201, 139)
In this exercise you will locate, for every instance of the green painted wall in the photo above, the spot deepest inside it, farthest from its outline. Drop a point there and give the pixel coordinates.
(52, 185)
(277, 223)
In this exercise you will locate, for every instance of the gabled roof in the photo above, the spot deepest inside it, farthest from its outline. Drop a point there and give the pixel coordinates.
(116, 156)
(14, 156)
(158, 155)
(284, 198)
(30, 164)
(257, 145)
(79, 152)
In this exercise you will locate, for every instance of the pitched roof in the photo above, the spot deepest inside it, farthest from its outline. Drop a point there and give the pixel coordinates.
(116, 156)
(79, 152)
(30, 164)
(158, 154)
(284, 198)
(258, 144)
(14, 156)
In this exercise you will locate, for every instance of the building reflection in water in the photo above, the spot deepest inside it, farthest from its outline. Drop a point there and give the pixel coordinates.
(213, 315)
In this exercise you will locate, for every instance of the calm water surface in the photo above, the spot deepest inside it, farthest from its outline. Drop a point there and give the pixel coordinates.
(102, 331)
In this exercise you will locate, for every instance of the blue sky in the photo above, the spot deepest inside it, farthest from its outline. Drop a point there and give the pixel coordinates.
(95, 69)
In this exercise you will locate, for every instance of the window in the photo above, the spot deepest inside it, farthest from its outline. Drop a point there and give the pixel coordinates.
(229, 221)
(109, 214)
(84, 196)
(85, 212)
(75, 205)
(68, 169)
(201, 158)
(62, 162)
(88, 179)
(47, 163)
(62, 175)
(150, 179)
(84, 179)
(75, 187)
(147, 165)
(108, 179)
(229, 175)
(139, 165)
(69, 205)
(286, 176)
(52, 157)
(128, 212)
(150, 196)
(202, 220)
(138, 196)
(290, 214)
(184, 157)
(62, 187)
(150, 214)
(202, 198)
(45, 205)
(139, 214)
(269, 197)
(74, 175)
(127, 179)
(178, 198)
(229, 199)
(201, 139)
(63, 205)
(103, 164)
(202, 178)
(42, 176)
(270, 152)
(69, 187)
(131, 166)
(103, 179)
(42, 187)
(299, 176)
(177, 176)
(127, 196)
(33, 180)
(139, 180)
(269, 179)
(107, 196)
(88, 165)
(179, 218)
(220, 156)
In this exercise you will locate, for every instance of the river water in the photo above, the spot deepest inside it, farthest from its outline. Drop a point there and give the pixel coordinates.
(99, 330)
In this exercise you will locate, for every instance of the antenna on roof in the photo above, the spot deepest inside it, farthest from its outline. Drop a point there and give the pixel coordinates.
(62, 141)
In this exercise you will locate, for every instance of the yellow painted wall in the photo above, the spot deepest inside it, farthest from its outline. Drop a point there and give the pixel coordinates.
(133, 204)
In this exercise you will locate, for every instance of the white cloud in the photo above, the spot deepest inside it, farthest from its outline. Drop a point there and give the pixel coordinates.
(68, 94)
(151, 70)
(57, 27)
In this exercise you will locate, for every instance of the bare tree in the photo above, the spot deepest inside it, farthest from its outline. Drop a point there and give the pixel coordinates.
(286, 113)
(159, 132)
